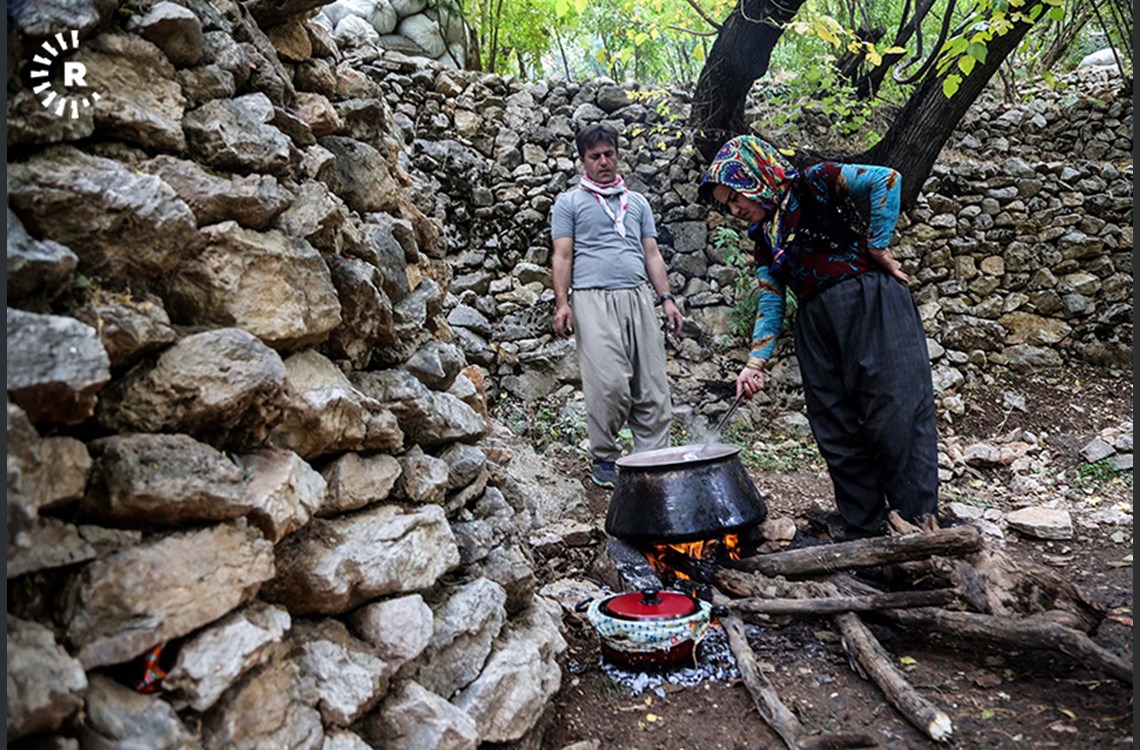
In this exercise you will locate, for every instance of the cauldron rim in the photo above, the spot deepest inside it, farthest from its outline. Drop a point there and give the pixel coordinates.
(666, 458)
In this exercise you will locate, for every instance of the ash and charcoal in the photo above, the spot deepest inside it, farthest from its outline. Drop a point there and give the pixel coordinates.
(714, 662)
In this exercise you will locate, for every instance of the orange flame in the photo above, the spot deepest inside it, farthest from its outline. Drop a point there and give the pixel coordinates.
(709, 549)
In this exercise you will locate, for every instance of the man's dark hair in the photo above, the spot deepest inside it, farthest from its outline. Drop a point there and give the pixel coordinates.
(595, 134)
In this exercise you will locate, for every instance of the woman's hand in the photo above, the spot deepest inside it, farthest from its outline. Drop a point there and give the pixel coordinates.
(749, 382)
(883, 257)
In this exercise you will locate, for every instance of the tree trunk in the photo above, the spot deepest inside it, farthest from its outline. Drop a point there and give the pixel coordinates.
(739, 56)
(926, 121)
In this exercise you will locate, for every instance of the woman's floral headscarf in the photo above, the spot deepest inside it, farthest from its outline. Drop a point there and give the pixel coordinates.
(754, 168)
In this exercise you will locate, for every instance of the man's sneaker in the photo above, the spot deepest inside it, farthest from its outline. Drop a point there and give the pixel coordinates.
(603, 473)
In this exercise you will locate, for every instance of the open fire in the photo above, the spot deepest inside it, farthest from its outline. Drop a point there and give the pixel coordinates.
(663, 556)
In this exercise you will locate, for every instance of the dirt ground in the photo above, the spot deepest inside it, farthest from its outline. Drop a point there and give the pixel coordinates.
(995, 697)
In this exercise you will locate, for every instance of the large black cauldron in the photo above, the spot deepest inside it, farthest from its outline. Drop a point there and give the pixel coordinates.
(683, 494)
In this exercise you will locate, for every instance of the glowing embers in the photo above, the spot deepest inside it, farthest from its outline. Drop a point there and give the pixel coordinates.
(677, 560)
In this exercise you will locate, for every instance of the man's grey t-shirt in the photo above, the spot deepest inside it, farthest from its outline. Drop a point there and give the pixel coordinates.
(603, 259)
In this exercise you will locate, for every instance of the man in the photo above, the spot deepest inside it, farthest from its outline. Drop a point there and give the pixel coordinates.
(605, 249)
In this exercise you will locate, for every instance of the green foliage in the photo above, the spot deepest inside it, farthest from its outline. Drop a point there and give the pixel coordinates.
(1096, 476)
(782, 458)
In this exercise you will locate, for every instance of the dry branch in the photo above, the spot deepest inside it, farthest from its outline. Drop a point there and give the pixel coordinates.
(872, 661)
(864, 553)
(830, 605)
(782, 721)
(1026, 633)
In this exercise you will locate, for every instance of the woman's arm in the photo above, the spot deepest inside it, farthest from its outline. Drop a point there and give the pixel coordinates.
(765, 332)
(879, 189)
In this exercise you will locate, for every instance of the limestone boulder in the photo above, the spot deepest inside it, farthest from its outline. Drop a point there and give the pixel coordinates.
(214, 658)
(224, 387)
(237, 135)
(423, 478)
(399, 629)
(465, 626)
(36, 268)
(355, 481)
(349, 676)
(416, 717)
(122, 224)
(172, 28)
(274, 286)
(366, 312)
(162, 480)
(140, 99)
(427, 418)
(283, 490)
(117, 716)
(327, 414)
(273, 705)
(436, 364)
(334, 565)
(520, 677)
(128, 327)
(45, 685)
(117, 607)
(56, 366)
(253, 201)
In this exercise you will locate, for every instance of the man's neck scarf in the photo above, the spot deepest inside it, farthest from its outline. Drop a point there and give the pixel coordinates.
(754, 168)
(601, 192)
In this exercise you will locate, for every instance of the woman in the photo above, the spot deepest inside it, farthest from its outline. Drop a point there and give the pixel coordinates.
(823, 234)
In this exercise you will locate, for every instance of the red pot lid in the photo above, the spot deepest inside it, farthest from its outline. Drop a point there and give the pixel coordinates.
(649, 605)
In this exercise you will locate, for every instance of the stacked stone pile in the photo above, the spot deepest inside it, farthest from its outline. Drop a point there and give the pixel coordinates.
(1020, 244)
(239, 427)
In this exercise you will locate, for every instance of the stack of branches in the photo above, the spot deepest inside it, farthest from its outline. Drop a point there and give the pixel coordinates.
(945, 580)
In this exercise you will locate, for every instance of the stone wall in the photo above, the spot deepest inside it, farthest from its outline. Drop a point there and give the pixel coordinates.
(1020, 245)
(238, 428)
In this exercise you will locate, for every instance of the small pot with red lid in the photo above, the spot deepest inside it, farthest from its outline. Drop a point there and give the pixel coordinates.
(649, 628)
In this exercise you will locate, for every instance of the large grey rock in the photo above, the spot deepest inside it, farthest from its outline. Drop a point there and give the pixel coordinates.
(117, 717)
(44, 543)
(140, 101)
(172, 28)
(417, 719)
(1041, 523)
(32, 124)
(332, 566)
(520, 677)
(273, 705)
(36, 268)
(355, 481)
(45, 685)
(539, 495)
(128, 327)
(56, 365)
(43, 473)
(211, 661)
(361, 175)
(117, 607)
(436, 364)
(1096, 450)
(274, 286)
(423, 478)
(341, 739)
(510, 566)
(427, 418)
(223, 387)
(162, 480)
(42, 19)
(465, 626)
(327, 414)
(284, 491)
(317, 215)
(399, 629)
(967, 333)
(252, 201)
(464, 463)
(366, 312)
(236, 134)
(349, 676)
(123, 225)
